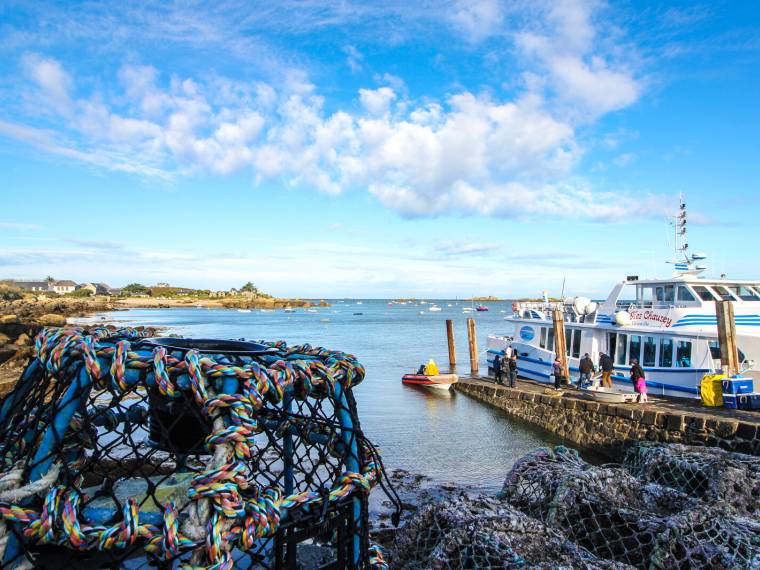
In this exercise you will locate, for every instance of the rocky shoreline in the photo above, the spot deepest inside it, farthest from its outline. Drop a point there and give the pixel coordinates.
(22, 319)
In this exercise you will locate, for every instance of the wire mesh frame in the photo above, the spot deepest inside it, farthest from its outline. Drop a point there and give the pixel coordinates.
(38, 417)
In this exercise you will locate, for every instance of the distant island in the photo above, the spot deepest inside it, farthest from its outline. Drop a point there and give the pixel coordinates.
(50, 301)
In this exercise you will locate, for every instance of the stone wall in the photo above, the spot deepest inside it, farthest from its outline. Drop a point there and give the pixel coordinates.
(610, 428)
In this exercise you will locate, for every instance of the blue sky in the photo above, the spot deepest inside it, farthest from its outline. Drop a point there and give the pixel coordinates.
(376, 149)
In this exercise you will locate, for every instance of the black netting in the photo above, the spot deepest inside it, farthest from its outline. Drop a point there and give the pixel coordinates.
(709, 473)
(123, 451)
(554, 506)
(485, 533)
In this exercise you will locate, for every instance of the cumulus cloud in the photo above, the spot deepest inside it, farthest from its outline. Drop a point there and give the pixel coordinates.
(466, 152)
(567, 51)
(478, 19)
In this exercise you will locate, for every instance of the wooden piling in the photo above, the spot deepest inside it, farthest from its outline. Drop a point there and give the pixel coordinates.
(560, 344)
(729, 355)
(450, 338)
(473, 343)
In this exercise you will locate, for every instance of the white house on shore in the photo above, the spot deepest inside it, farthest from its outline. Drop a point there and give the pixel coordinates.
(63, 287)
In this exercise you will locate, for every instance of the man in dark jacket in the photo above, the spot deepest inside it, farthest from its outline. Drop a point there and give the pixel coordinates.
(512, 369)
(605, 363)
(586, 369)
(497, 369)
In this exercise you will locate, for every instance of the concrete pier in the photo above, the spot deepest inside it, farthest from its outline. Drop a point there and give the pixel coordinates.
(611, 428)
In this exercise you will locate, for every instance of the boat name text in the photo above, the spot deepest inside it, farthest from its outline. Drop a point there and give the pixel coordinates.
(651, 316)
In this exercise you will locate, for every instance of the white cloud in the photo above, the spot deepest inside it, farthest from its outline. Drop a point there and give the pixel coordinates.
(53, 82)
(576, 64)
(467, 153)
(353, 58)
(478, 19)
(377, 101)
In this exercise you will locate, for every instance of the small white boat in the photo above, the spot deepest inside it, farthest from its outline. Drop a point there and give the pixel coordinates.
(311, 310)
(437, 381)
(421, 312)
(324, 320)
(467, 310)
(289, 310)
(244, 310)
(434, 309)
(609, 395)
(359, 303)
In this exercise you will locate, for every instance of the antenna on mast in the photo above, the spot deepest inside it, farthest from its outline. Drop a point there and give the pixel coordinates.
(683, 262)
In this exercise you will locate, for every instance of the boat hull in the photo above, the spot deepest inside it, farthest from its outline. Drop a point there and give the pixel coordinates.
(438, 382)
(609, 396)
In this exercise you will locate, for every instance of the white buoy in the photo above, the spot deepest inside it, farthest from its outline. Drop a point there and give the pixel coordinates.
(623, 318)
(591, 308)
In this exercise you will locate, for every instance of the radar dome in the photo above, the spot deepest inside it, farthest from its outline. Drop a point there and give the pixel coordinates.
(580, 303)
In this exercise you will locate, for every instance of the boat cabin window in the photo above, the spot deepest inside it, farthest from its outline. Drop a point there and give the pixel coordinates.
(683, 354)
(684, 294)
(573, 342)
(723, 293)
(634, 349)
(542, 338)
(620, 350)
(715, 351)
(611, 343)
(704, 293)
(650, 350)
(666, 352)
(744, 292)
(664, 293)
(550, 339)
(645, 295)
(577, 343)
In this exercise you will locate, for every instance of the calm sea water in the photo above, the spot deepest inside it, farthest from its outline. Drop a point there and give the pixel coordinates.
(446, 436)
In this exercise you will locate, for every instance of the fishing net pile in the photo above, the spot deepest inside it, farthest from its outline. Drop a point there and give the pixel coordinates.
(120, 449)
(661, 509)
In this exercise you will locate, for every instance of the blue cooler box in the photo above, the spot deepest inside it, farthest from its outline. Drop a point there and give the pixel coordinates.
(737, 385)
(729, 401)
(754, 401)
(744, 401)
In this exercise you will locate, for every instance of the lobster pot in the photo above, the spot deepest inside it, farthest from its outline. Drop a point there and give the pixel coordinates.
(121, 449)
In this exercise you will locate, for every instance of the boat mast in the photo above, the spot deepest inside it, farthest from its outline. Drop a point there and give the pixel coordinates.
(683, 262)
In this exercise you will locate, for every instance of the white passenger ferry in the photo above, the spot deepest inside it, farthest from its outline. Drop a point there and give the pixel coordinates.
(669, 325)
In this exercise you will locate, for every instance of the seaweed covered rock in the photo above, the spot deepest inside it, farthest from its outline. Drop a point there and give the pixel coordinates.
(485, 533)
(707, 473)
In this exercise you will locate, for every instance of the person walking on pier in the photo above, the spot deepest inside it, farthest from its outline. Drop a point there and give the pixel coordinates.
(497, 369)
(559, 373)
(512, 370)
(639, 381)
(605, 363)
(586, 369)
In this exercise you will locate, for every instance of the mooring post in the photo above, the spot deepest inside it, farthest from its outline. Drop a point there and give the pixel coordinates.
(450, 338)
(729, 355)
(560, 345)
(472, 341)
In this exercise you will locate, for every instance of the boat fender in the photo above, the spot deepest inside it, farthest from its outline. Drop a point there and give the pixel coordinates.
(591, 308)
(623, 318)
